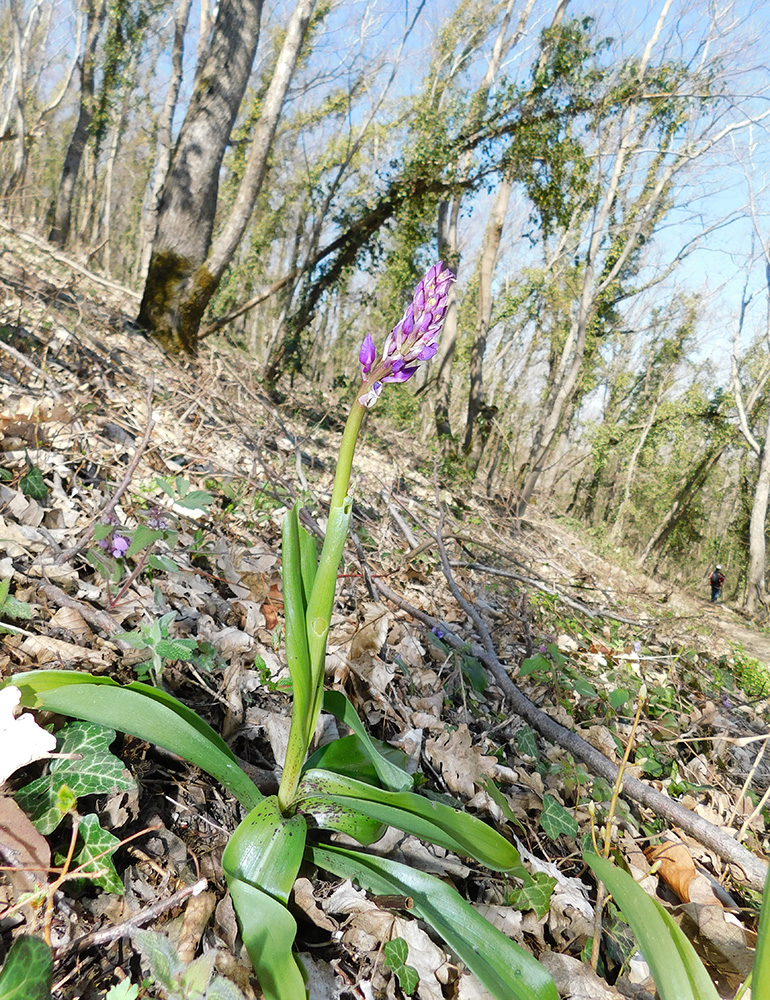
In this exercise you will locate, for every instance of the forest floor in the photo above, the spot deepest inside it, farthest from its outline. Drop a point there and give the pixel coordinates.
(102, 437)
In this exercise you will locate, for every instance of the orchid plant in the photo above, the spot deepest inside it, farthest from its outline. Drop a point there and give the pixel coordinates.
(356, 785)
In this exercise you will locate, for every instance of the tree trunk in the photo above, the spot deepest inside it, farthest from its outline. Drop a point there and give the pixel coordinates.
(757, 589)
(473, 447)
(62, 214)
(181, 278)
(149, 221)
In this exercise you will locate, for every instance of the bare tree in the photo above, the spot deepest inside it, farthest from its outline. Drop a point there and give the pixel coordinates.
(96, 11)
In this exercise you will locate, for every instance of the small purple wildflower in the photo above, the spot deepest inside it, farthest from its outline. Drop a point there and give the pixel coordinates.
(438, 632)
(156, 520)
(412, 340)
(543, 648)
(119, 546)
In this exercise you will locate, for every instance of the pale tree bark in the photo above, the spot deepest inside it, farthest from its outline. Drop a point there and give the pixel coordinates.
(643, 213)
(185, 268)
(756, 593)
(449, 214)
(16, 177)
(96, 11)
(473, 443)
(151, 201)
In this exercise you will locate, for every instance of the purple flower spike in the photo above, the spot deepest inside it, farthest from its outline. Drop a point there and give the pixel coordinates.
(412, 340)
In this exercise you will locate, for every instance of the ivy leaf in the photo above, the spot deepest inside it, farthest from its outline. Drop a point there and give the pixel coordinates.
(396, 953)
(555, 820)
(28, 970)
(32, 483)
(96, 773)
(535, 895)
(95, 855)
(526, 743)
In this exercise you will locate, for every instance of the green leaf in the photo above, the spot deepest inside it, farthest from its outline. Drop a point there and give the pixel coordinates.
(143, 711)
(676, 969)
(161, 956)
(95, 854)
(294, 607)
(163, 563)
(396, 952)
(268, 931)
(534, 895)
(13, 608)
(618, 698)
(97, 772)
(195, 500)
(32, 483)
(555, 819)
(389, 770)
(266, 849)
(583, 688)
(533, 664)
(125, 990)
(142, 538)
(28, 970)
(760, 976)
(176, 649)
(347, 819)
(526, 742)
(223, 989)
(432, 821)
(500, 800)
(505, 969)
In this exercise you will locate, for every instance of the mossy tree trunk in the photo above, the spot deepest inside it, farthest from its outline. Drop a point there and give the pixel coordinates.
(185, 267)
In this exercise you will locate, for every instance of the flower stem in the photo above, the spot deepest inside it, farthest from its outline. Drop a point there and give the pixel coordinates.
(347, 448)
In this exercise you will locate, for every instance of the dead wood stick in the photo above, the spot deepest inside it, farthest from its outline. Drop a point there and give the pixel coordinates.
(571, 602)
(715, 839)
(24, 360)
(125, 929)
(120, 489)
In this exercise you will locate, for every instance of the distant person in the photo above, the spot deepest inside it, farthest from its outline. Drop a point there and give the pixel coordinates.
(716, 580)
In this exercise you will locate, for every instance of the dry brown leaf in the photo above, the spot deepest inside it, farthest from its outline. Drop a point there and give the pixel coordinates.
(371, 635)
(44, 649)
(70, 619)
(461, 762)
(676, 866)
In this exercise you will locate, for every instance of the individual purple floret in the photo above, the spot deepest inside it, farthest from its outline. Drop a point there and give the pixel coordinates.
(412, 340)
(119, 546)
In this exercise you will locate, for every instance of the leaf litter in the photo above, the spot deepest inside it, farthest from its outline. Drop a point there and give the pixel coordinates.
(195, 466)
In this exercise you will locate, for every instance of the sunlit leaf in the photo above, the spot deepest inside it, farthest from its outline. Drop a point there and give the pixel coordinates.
(503, 967)
(676, 969)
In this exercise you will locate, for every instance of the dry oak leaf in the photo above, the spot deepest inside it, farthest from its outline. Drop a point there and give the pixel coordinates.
(676, 866)
(462, 764)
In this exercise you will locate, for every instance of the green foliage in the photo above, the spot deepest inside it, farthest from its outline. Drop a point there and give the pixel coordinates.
(179, 980)
(154, 636)
(396, 953)
(28, 970)
(555, 820)
(10, 607)
(32, 483)
(92, 771)
(675, 967)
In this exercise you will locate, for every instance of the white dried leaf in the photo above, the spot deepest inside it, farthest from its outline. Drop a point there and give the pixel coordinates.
(21, 739)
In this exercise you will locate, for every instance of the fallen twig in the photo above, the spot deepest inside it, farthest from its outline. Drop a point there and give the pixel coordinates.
(109, 934)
